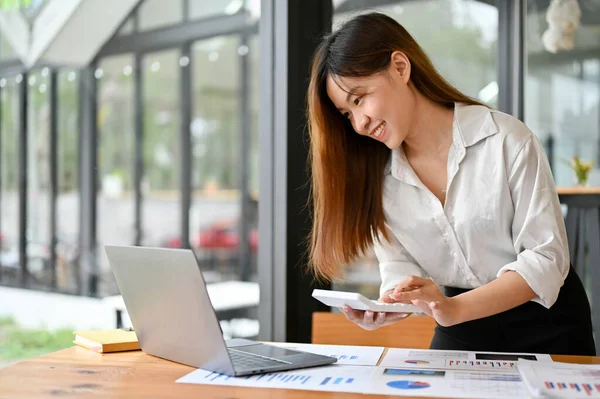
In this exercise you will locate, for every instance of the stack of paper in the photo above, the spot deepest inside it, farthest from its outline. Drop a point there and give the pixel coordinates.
(560, 380)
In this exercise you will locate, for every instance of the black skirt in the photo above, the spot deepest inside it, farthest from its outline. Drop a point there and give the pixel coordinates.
(564, 329)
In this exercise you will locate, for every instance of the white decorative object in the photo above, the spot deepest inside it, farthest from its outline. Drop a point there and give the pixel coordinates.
(563, 18)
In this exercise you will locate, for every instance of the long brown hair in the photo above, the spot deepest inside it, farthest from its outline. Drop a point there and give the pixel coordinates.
(347, 168)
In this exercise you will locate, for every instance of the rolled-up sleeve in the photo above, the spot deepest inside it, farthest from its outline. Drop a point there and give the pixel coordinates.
(395, 263)
(538, 227)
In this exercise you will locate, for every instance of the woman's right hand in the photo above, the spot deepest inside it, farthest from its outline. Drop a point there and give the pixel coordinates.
(370, 320)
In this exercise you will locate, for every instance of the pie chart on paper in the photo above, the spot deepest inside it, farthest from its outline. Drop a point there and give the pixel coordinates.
(416, 362)
(405, 384)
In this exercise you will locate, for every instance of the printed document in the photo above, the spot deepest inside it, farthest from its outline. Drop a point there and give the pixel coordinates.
(345, 354)
(561, 380)
(402, 372)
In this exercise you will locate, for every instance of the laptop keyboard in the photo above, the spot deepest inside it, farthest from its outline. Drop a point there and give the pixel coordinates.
(247, 360)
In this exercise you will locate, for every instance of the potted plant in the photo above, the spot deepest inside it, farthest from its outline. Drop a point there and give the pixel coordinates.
(581, 170)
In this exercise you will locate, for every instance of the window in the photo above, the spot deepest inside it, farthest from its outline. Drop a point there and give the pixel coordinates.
(562, 94)
(254, 81)
(207, 8)
(462, 46)
(67, 201)
(215, 130)
(153, 14)
(136, 95)
(127, 28)
(161, 206)
(31, 9)
(225, 95)
(6, 50)
(38, 178)
(9, 180)
(116, 135)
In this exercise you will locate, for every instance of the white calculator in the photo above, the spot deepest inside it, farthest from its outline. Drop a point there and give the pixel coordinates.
(359, 302)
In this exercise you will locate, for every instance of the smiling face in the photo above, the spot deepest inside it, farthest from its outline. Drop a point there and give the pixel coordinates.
(380, 106)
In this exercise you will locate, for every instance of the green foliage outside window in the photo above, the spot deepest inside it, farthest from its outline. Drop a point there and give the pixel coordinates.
(18, 343)
(12, 4)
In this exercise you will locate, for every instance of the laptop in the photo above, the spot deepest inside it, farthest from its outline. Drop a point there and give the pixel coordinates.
(168, 304)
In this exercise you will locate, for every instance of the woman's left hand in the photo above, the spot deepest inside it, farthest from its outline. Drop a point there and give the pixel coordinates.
(426, 295)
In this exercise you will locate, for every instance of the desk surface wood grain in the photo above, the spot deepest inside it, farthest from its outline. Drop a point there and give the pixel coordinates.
(79, 373)
(577, 190)
(334, 329)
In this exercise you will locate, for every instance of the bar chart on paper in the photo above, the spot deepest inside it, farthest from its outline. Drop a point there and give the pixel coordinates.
(285, 379)
(561, 380)
(454, 364)
(589, 390)
(328, 378)
(336, 381)
(344, 357)
(290, 379)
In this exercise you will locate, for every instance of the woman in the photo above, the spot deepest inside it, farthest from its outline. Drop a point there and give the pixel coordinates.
(448, 193)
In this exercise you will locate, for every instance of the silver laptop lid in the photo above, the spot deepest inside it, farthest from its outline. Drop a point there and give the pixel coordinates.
(169, 307)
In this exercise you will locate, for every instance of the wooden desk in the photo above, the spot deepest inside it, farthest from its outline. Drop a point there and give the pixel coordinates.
(79, 373)
(578, 190)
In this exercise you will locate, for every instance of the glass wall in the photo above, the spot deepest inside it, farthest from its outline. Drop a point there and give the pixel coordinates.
(161, 206)
(6, 50)
(224, 212)
(215, 130)
(38, 177)
(67, 201)
(224, 167)
(460, 37)
(208, 8)
(254, 84)
(562, 89)
(137, 91)
(127, 28)
(153, 14)
(224, 136)
(116, 138)
(9, 179)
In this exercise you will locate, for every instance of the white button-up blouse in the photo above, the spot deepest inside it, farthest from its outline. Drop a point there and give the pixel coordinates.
(501, 212)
